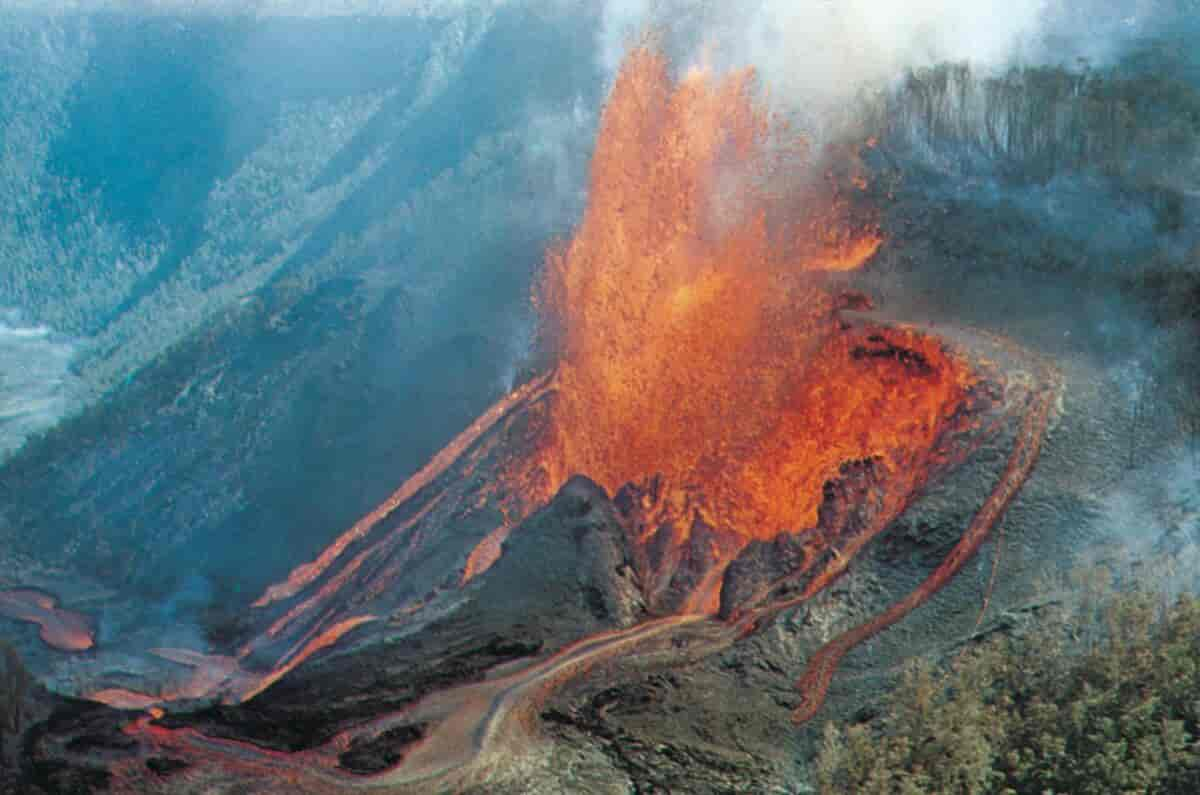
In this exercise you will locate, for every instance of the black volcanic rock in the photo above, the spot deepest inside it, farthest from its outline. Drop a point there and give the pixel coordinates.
(675, 540)
(70, 749)
(849, 504)
(563, 574)
(571, 554)
(379, 753)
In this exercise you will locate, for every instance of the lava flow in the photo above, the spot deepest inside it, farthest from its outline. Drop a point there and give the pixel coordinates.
(61, 629)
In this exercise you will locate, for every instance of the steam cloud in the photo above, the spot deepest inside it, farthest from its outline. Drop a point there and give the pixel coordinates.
(818, 54)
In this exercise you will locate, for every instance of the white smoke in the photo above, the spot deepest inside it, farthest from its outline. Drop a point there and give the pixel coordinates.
(822, 53)
(831, 48)
(623, 20)
(1149, 532)
(37, 386)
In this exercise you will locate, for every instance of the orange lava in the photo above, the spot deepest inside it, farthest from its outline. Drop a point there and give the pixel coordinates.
(888, 395)
(122, 698)
(218, 674)
(697, 321)
(821, 667)
(211, 674)
(64, 630)
(849, 254)
(698, 337)
(486, 552)
(305, 574)
(333, 586)
(323, 640)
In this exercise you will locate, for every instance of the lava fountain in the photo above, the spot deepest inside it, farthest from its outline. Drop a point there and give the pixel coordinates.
(698, 329)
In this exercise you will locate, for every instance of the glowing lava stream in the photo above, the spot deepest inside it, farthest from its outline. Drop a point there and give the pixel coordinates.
(1026, 449)
(474, 720)
(224, 676)
(304, 575)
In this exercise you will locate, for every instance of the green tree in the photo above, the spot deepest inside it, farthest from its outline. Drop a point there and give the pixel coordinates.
(1098, 699)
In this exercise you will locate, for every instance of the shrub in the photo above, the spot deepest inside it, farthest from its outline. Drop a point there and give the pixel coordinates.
(1103, 698)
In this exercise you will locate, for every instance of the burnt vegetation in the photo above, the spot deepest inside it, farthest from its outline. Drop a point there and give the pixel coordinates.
(1135, 122)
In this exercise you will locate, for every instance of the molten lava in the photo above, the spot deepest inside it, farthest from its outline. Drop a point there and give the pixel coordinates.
(698, 337)
(61, 629)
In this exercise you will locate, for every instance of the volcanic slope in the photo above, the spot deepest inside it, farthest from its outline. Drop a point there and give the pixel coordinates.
(451, 697)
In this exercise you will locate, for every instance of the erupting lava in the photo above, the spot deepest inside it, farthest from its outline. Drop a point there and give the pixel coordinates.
(699, 338)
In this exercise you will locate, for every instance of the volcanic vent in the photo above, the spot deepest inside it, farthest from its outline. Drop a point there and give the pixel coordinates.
(703, 353)
(717, 373)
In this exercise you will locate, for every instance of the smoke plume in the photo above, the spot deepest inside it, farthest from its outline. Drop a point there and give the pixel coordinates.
(815, 56)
